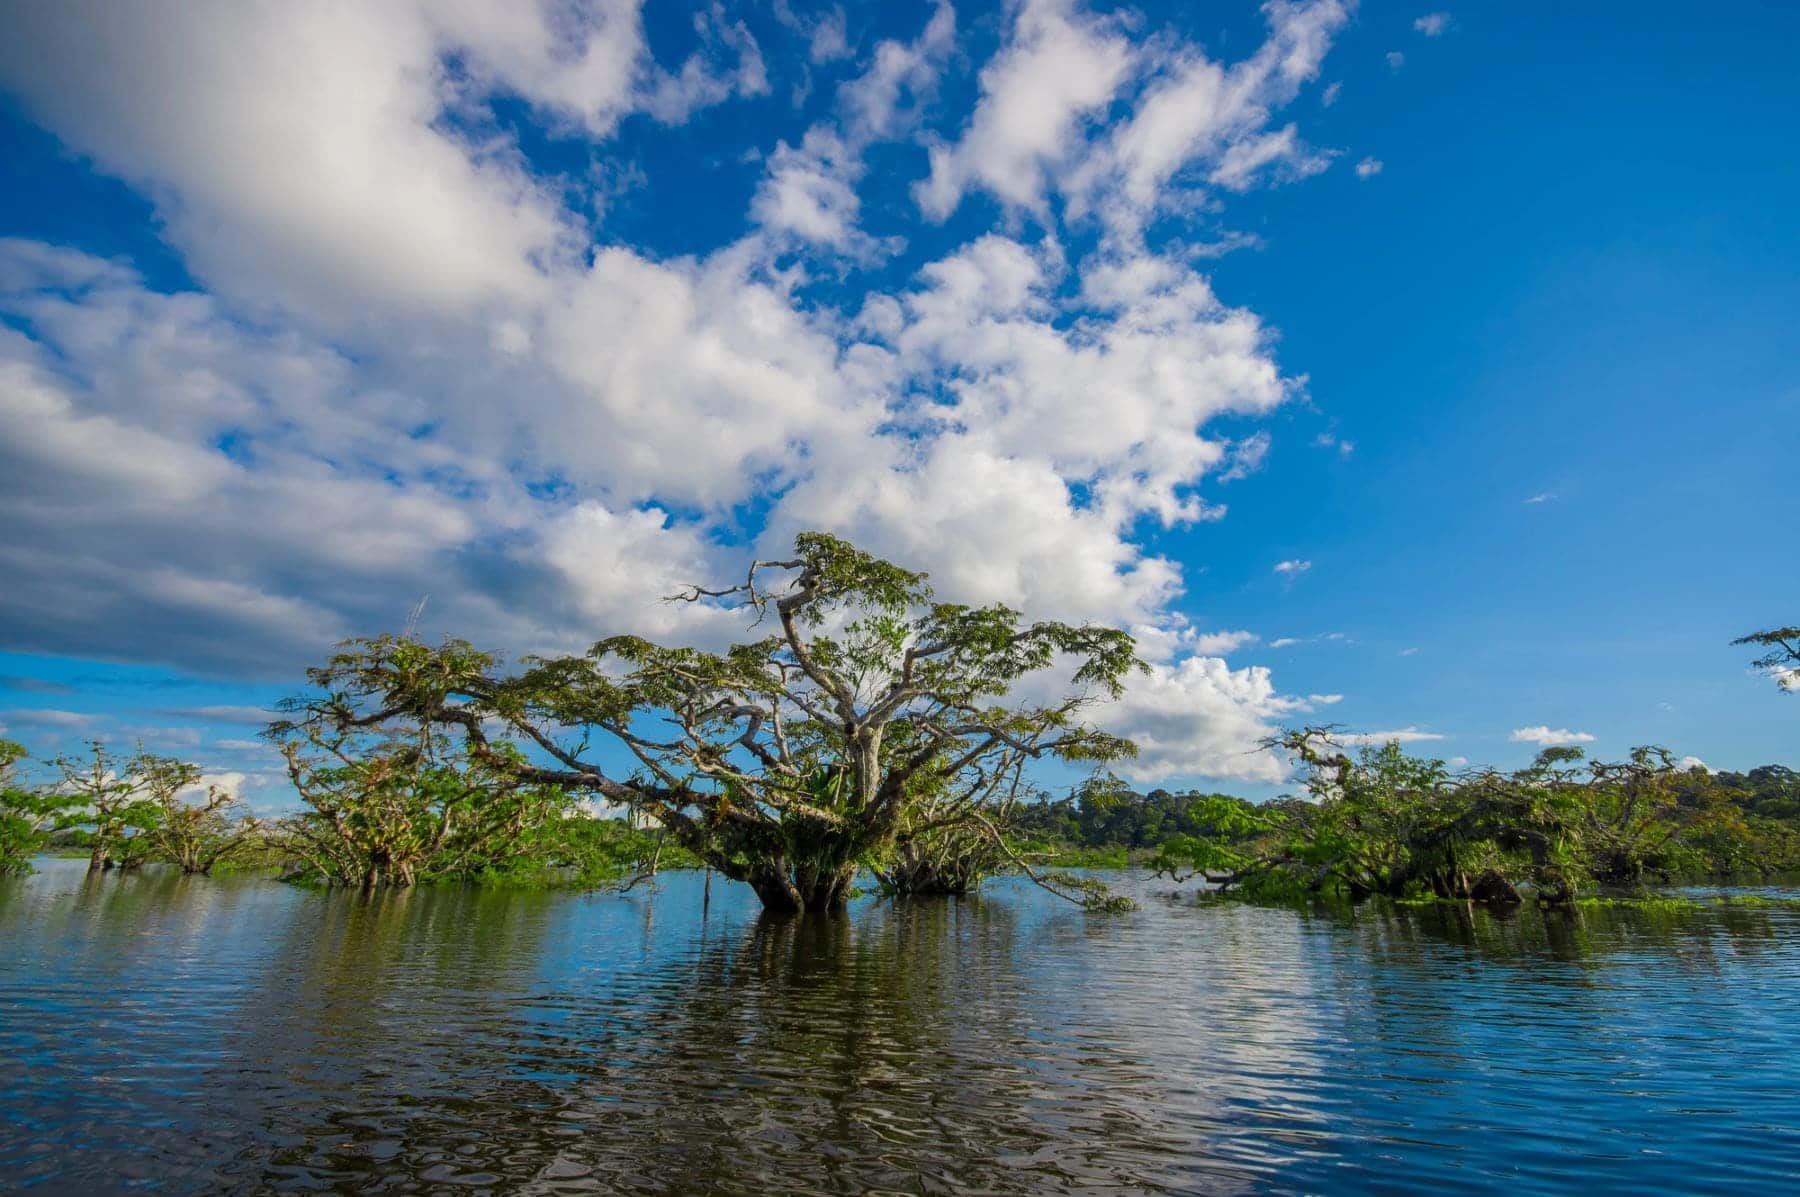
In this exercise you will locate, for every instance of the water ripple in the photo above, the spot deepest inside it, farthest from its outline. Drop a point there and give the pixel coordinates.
(245, 1036)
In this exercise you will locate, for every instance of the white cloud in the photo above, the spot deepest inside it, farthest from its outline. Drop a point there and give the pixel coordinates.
(729, 63)
(1198, 117)
(882, 102)
(1247, 457)
(46, 717)
(1395, 60)
(416, 369)
(1202, 718)
(1292, 568)
(1409, 652)
(1404, 735)
(1433, 24)
(1368, 168)
(810, 192)
(1692, 762)
(1058, 66)
(1548, 737)
(1543, 496)
(1330, 95)
(296, 150)
(1218, 644)
(1284, 642)
(826, 34)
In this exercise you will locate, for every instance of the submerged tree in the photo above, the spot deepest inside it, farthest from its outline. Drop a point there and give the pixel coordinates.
(395, 805)
(28, 813)
(870, 718)
(117, 799)
(197, 836)
(1782, 661)
(1384, 823)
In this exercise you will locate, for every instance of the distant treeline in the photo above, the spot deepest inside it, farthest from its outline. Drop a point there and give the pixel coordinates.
(1109, 814)
(1382, 823)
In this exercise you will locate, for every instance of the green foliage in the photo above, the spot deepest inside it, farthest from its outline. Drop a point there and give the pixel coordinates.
(199, 836)
(121, 801)
(29, 814)
(406, 805)
(1782, 661)
(1387, 824)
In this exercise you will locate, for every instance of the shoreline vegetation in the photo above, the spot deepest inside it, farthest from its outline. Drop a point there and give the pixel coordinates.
(873, 732)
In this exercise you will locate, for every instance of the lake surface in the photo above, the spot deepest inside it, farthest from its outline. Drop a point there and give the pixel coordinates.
(241, 1035)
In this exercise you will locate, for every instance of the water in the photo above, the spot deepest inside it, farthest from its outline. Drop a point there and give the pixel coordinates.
(240, 1035)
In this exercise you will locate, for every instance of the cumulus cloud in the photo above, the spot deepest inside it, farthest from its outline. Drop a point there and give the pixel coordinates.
(1433, 24)
(1197, 117)
(1059, 65)
(1201, 717)
(1368, 168)
(1218, 644)
(1548, 737)
(1292, 568)
(1193, 122)
(411, 367)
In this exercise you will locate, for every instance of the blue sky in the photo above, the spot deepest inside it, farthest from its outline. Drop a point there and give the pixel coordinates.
(1478, 320)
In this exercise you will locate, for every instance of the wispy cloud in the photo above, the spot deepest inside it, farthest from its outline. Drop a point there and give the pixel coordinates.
(1292, 568)
(33, 685)
(1543, 496)
(220, 714)
(1433, 24)
(46, 717)
(1321, 638)
(1395, 60)
(1403, 735)
(1549, 737)
(1368, 168)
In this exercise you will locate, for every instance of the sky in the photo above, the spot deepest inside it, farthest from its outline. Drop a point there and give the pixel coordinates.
(1426, 372)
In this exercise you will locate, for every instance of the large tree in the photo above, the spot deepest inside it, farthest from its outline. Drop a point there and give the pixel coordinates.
(867, 716)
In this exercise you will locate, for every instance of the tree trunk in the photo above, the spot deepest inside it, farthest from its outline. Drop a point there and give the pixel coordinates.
(949, 872)
(825, 893)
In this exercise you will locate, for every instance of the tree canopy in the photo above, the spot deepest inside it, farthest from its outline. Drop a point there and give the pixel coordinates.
(1782, 661)
(867, 717)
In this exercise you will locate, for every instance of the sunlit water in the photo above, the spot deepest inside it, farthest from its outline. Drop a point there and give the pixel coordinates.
(243, 1035)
